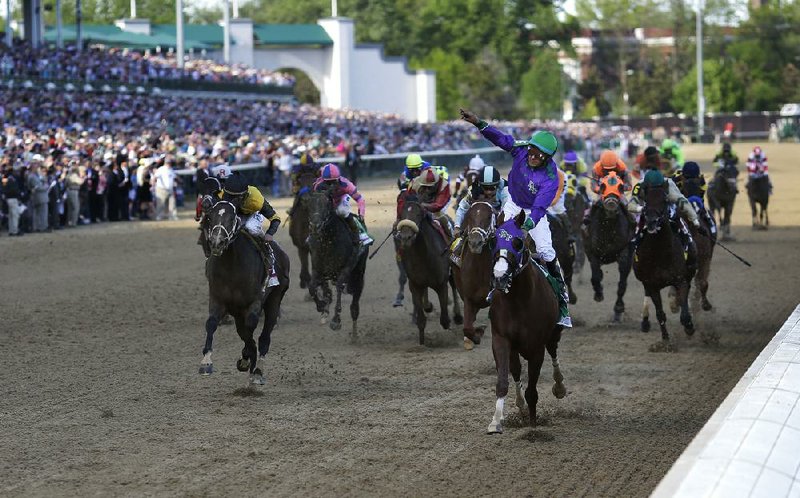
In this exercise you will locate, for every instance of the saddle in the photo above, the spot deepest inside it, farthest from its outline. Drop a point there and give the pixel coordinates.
(439, 228)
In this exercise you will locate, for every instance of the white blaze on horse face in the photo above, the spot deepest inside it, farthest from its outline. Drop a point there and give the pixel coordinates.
(500, 267)
(221, 211)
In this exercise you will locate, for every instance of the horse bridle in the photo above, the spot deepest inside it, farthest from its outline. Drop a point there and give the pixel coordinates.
(228, 236)
(485, 234)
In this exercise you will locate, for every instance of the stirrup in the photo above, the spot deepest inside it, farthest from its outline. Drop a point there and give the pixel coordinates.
(565, 322)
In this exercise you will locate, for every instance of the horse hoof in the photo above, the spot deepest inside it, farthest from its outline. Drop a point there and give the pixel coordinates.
(458, 320)
(257, 378)
(494, 428)
(617, 318)
(573, 299)
(598, 297)
(243, 364)
(335, 325)
(398, 302)
(468, 344)
(559, 391)
(645, 326)
(689, 329)
(428, 308)
(323, 319)
(206, 369)
(707, 306)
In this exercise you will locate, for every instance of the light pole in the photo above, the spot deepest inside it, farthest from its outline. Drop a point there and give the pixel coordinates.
(701, 100)
(179, 32)
(9, 33)
(334, 8)
(226, 32)
(59, 37)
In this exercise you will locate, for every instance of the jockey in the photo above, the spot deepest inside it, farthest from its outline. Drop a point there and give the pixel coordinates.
(255, 210)
(343, 191)
(693, 186)
(726, 157)
(534, 185)
(414, 166)
(609, 161)
(649, 159)
(488, 187)
(575, 165)
(671, 152)
(306, 166)
(757, 166)
(475, 165)
(433, 189)
(559, 209)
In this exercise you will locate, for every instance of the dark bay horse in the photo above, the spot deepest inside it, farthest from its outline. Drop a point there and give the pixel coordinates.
(660, 262)
(576, 204)
(334, 258)
(424, 257)
(524, 315)
(298, 226)
(607, 240)
(565, 251)
(237, 285)
(474, 275)
(758, 195)
(705, 252)
(722, 196)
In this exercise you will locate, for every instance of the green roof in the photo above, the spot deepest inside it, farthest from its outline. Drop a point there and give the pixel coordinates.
(210, 34)
(114, 36)
(291, 34)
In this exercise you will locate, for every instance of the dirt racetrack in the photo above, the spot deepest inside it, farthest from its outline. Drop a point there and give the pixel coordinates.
(100, 339)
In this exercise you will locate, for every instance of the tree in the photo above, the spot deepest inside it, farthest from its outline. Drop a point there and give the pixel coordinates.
(449, 69)
(542, 87)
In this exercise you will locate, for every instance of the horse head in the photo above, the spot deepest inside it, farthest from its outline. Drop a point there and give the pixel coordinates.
(320, 207)
(509, 252)
(409, 221)
(611, 192)
(479, 225)
(223, 226)
(656, 208)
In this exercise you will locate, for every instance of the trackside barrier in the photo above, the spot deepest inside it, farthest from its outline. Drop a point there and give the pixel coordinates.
(383, 164)
(751, 445)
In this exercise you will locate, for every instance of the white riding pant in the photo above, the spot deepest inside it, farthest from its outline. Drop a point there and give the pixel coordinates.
(255, 224)
(540, 232)
(343, 209)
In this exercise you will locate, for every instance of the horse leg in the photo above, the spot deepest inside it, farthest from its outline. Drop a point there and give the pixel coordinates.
(324, 302)
(272, 309)
(427, 306)
(645, 315)
(444, 314)
(686, 315)
(766, 216)
(701, 283)
(753, 211)
(597, 278)
(470, 314)
(336, 321)
(215, 313)
(624, 263)
(516, 374)
(559, 390)
(501, 350)
(458, 318)
(401, 280)
(417, 294)
(531, 394)
(305, 276)
(245, 325)
(655, 295)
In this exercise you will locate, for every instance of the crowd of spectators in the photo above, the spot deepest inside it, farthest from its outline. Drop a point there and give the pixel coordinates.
(100, 64)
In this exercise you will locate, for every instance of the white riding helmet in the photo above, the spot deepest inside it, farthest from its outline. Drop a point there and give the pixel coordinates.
(222, 171)
(476, 163)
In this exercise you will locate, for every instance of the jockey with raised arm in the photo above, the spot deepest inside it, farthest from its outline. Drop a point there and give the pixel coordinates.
(256, 211)
(343, 192)
(534, 185)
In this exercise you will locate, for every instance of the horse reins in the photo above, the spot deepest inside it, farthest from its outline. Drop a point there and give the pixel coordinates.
(228, 235)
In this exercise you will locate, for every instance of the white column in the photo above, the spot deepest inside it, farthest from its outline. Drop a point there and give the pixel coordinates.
(226, 30)
(336, 81)
(59, 26)
(179, 32)
(425, 111)
(334, 8)
(133, 9)
(236, 9)
(701, 100)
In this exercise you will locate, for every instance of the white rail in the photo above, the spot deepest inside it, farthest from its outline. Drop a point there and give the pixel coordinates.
(751, 445)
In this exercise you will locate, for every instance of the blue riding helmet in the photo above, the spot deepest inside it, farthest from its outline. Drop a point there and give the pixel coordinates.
(691, 170)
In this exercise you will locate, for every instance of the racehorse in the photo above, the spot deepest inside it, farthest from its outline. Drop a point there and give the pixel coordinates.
(576, 204)
(524, 315)
(607, 239)
(424, 257)
(705, 251)
(469, 179)
(237, 279)
(298, 226)
(334, 257)
(721, 197)
(660, 262)
(476, 260)
(758, 194)
(565, 251)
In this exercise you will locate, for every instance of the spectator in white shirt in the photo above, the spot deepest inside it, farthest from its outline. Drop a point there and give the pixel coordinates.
(165, 191)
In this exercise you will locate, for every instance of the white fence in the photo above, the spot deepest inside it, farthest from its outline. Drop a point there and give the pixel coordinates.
(750, 447)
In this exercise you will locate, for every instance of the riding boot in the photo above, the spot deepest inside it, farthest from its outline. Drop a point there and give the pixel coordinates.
(554, 269)
(273, 274)
(456, 250)
(358, 231)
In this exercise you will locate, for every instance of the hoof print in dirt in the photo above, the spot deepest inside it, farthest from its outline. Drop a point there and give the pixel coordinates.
(663, 347)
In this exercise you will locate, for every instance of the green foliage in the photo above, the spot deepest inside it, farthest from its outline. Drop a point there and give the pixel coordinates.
(449, 69)
(590, 110)
(722, 90)
(542, 87)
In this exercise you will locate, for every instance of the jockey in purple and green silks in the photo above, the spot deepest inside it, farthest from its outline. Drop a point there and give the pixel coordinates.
(534, 186)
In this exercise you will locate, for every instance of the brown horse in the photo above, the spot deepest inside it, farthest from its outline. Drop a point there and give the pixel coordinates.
(476, 259)
(576, 204)
(524, 315)
(424, 257)
(722, 196)
(660, 262)
(298, 226)
(758, 195)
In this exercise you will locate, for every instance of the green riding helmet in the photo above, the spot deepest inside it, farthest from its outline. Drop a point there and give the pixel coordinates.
(653, 178)
(544, 141)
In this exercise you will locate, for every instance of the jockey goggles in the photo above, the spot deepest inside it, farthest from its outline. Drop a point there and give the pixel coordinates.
(536, 153)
